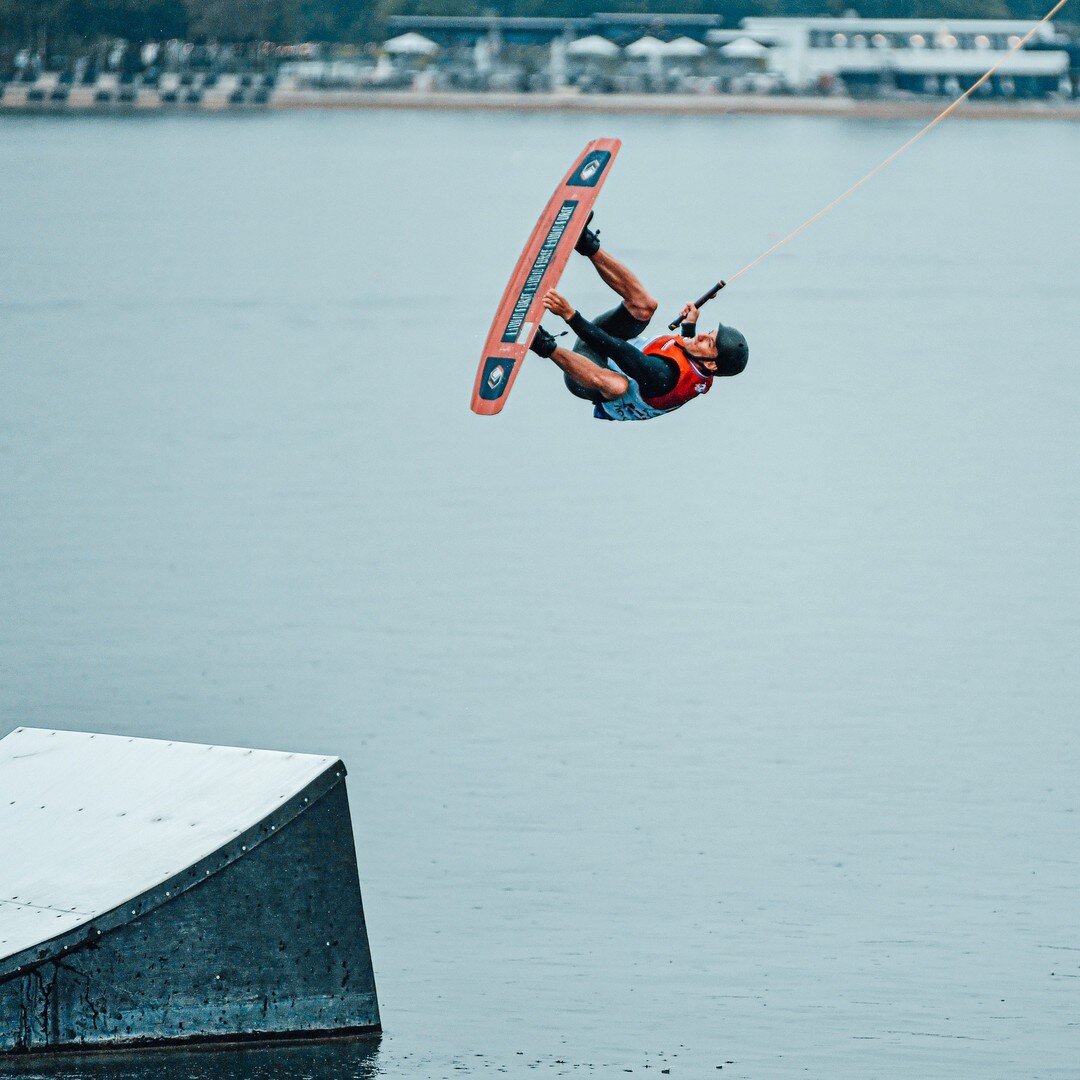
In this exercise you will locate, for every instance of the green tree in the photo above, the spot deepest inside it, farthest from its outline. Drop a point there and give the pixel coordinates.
(134, 20)
(245, 20)
(41, 23)
(26, 24)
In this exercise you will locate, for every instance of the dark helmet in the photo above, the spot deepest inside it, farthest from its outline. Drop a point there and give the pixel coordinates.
(732, 352)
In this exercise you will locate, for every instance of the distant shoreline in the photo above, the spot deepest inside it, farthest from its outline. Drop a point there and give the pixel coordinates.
(674, 104)
(149, 102)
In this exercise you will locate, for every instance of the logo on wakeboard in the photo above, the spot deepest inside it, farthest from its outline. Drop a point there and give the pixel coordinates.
(591, 171)
(495, 378)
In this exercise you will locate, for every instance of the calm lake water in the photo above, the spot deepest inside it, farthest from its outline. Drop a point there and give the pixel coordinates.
(744, 738)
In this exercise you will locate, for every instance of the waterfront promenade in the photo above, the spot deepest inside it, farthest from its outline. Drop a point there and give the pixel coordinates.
(26, 98)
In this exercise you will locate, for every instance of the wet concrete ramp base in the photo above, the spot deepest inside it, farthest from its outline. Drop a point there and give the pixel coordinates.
(153, 892)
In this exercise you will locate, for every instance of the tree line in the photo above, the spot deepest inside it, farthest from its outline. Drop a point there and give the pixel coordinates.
(56, 24)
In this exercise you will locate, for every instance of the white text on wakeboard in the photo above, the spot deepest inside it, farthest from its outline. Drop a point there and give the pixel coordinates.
(539, 266)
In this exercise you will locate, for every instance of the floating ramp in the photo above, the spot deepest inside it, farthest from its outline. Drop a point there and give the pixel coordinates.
(158, 891)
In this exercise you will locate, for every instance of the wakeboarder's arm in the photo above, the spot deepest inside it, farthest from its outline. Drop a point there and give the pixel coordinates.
(689, 316)
(656, 375)
(592, 376)
(610, 348)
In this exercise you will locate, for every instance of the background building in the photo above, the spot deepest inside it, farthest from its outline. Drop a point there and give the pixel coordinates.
(634, 52)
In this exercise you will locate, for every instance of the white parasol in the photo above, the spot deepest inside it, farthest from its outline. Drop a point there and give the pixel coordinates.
(410, 44)
(685, 46)
(593, 45)
(744, 48)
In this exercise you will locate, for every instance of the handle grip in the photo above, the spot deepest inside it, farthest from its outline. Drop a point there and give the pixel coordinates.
(700, 303)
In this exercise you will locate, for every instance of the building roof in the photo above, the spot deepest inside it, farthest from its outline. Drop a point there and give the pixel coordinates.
(899, 26)
(621, 27)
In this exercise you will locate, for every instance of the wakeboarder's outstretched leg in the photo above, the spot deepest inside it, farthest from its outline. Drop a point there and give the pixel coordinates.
(636, 299)
(625, 374)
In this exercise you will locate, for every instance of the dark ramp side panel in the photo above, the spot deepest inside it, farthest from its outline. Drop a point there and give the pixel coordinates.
(271, 942)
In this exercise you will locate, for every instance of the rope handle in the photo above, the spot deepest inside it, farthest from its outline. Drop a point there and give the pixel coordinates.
(703, 300)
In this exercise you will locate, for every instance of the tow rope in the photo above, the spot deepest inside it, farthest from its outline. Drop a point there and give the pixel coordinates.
(881, 165)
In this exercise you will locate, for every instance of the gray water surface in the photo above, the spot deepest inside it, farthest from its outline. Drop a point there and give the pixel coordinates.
(743, 738)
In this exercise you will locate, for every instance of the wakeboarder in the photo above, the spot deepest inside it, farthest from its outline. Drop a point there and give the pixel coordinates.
(625, 373)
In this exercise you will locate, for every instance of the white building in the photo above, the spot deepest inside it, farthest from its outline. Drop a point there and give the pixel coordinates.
(918, 55)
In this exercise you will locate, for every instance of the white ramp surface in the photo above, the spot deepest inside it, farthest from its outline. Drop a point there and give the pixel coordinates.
(90, 822)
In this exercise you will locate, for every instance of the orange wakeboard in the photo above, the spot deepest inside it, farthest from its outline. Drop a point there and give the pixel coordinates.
(538, 269)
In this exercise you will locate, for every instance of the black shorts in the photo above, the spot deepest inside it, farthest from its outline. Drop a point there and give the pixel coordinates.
(618, 322)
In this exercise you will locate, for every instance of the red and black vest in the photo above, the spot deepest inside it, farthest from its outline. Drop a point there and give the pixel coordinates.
(633, 405)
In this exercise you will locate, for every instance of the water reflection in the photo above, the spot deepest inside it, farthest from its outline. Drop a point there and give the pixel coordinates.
(346, 1060)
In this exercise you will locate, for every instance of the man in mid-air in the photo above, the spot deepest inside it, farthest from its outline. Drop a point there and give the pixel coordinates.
(626, 374)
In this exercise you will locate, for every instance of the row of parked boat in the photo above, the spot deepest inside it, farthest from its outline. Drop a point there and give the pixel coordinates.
(147, 90)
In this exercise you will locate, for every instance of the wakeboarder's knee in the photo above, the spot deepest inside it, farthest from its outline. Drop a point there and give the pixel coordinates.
(642, 307)
(613, 386)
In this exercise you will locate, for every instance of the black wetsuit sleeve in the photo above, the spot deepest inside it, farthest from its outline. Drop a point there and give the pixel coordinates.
(689, 329)
(656, 375)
